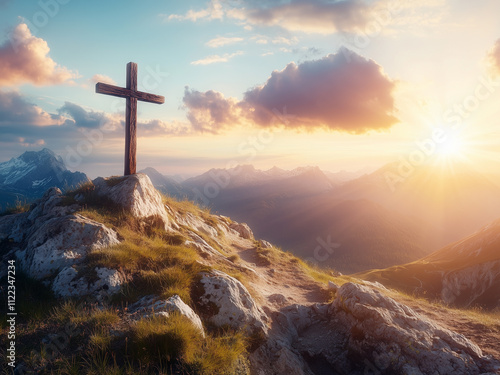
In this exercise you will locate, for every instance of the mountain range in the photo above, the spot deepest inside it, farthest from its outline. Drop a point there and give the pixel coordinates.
(351, 222)
(28, 176)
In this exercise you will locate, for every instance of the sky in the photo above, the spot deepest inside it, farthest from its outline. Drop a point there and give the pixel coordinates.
(342, 85)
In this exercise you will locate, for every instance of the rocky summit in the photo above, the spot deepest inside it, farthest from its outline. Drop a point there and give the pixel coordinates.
(156, 285)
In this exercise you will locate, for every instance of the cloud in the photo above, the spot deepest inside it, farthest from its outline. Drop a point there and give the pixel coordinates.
(114, 123)
(27, 143)
(156, 127)
(102, 78)
(312, 16)
(212, 59)
(83, 118)
(324, 16)
(222, 41)
(334, 93)
(493, 58)
(15, 109)
(214, 11)
(210, 111)
(24, 59)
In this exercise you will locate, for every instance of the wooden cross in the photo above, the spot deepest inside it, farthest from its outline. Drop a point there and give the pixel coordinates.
(132, 95)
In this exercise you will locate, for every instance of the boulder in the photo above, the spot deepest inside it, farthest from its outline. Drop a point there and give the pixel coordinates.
(135, 193)
(223, 300)
(332, 286)
(69, 284)
(197, 223)
(152, 306)
(265, 245)
(62, 242)
(243, 230)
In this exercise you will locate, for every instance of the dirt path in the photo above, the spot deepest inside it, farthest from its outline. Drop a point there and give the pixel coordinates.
(280, 278)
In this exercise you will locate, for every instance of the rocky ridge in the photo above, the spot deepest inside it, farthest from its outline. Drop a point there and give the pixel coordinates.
(360, 331)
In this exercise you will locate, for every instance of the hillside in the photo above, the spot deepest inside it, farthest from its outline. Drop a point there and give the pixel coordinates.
(452, 201)
(116, 279)
(465, 273)
(28, 176)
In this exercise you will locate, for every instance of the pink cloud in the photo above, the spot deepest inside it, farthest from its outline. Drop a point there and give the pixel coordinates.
(340, 92)
(24, 59)
(210, 111)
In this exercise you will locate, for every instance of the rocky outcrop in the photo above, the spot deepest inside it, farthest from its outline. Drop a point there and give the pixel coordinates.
(194, 222)
(135, 193)
(363, 331)
(51, 237)
(51, 240)
(62, 242)
(152, 305)
(243, 229)
(469, 285)
(223, 300)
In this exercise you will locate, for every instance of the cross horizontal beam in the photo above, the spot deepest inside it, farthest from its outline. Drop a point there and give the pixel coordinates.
(104, 88)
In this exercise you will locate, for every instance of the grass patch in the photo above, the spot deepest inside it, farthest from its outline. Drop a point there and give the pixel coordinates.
(154, 265)
(174, 342)
(34, 301)
(71, 311)
(161, 339)
(182, 206)
(19, 207)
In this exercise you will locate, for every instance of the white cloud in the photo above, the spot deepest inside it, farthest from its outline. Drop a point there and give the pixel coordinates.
(102, 78)
(222, 41)
(212, 12)
(212, 59)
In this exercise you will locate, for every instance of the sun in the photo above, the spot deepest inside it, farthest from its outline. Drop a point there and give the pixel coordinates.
(453, 151)
(451, 148)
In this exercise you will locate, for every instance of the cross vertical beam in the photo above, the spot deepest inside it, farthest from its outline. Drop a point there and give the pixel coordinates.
(131, 122)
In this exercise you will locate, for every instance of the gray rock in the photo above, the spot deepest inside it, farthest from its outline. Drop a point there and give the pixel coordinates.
(225, 301)
(332, 286)
(265, 245)
(62, 242)
(278, 299)
(152, 306)
(365, 332)
(243, 230)
(68, 284)
(135, 193)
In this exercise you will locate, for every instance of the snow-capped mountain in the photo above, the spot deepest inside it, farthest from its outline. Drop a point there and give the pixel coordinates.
(31, 174)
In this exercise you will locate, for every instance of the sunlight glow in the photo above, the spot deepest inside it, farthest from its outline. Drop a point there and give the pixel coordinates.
(450, 149)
